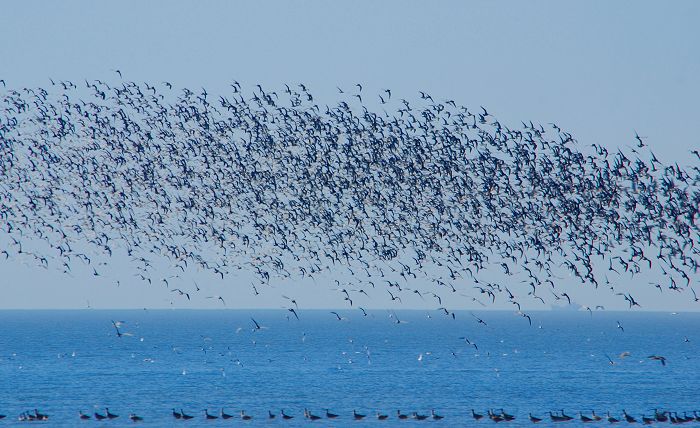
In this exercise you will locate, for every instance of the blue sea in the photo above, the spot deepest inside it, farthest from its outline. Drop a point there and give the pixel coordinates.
(63, 362)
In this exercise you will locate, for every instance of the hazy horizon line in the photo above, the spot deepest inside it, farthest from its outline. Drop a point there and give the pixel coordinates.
(570, 311)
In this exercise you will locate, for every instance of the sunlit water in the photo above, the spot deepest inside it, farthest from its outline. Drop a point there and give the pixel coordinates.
(65, 361)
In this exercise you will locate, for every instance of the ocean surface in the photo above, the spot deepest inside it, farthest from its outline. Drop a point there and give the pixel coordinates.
(61, 362)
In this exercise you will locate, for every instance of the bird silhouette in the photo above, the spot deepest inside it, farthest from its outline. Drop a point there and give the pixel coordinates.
(410, 200)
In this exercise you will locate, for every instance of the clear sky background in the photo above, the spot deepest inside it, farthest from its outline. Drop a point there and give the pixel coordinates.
(599, 69)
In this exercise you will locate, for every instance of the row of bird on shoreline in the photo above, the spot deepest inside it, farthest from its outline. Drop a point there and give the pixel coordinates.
(496, 415)
(418, 198)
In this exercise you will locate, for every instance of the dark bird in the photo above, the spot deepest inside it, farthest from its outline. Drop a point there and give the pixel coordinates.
(433, 193)
(221, 299)
(116, 325)
(658, 358)
(418, 417)
(310, 415)
(568, 299)
(534, 419)
(630, 419)
(257, 326)
(611, 419)
(479, 320)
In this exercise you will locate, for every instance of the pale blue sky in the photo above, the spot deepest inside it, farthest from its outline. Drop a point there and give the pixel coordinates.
(599, 69)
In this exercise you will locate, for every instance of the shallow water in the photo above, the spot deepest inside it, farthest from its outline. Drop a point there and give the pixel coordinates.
(65, 361)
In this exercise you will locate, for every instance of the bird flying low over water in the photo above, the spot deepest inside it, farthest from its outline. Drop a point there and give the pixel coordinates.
(337, 315)
(479, 320)
(256, 325)
(117, 325)
(658, 358)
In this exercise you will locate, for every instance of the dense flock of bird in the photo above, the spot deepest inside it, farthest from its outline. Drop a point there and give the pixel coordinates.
(497, 415)
(420, 198)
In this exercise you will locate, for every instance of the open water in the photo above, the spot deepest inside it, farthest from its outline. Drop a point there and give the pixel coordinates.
(65, 361)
